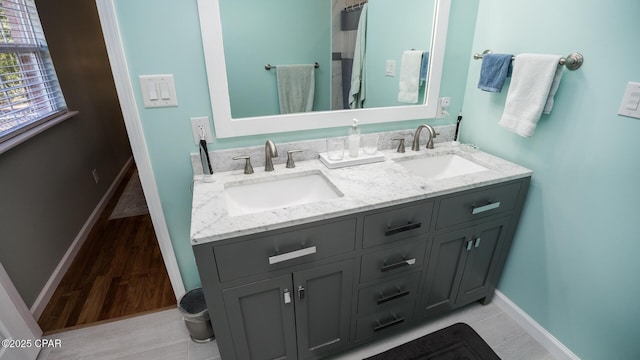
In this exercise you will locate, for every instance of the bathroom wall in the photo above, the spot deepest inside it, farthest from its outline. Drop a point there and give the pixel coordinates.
(170, 42)
(46, 185)
(574, 263)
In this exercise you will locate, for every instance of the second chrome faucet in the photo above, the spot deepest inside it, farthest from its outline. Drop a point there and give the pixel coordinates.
(416, 137)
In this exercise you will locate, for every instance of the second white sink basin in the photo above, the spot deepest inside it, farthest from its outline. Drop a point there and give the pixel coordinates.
(249, 197)
(441, 167)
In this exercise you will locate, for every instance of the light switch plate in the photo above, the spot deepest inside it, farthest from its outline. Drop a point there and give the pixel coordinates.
(630, 105)
(158, 90)
(390, 69)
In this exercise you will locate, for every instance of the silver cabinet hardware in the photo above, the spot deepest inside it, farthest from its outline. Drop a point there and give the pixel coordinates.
(469, 245)
(396, 320)
(479, 209)
(290, 163)
(409, 226)
(397, 295)
(398, 265)
(291, 255)
(287, 296)
(248, 169)
(477, 242)
(301, 292)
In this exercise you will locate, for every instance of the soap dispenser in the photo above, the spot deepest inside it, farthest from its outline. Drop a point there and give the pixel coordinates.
(354, 139)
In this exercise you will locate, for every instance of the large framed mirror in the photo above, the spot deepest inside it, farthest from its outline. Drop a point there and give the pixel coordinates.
(239, 39)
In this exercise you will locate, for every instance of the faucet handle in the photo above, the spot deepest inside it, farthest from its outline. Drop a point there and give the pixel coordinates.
(248, 169)
(290, 163)
(400, 148)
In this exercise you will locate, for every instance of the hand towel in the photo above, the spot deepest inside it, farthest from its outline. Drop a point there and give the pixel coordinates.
(534, 82)
(410, 76)
(296, 87)
(424, 67)
(357, 92)
(495, 69)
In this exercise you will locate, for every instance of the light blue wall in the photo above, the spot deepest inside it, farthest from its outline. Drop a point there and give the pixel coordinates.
(162, 38)
(574, 263)
(252, 39)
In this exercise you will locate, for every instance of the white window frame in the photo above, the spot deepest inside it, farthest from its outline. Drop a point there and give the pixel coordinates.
(30, 95)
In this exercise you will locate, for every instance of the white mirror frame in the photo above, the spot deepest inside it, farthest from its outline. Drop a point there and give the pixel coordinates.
(226, 126)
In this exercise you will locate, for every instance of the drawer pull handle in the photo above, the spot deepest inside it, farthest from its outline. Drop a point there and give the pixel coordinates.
(396, 320)
(399, 229)
(292, 255)
(399, 294)
(398, 265)
(483, 208)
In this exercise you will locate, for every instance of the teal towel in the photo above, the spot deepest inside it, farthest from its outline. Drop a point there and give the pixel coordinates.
(296, 87)
(357, 92)
(494, 71)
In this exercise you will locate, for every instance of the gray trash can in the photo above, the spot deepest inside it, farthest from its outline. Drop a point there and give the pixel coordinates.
(196, 316)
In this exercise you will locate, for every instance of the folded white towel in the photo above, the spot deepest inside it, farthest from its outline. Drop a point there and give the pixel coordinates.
(534, 82)
(409, 86)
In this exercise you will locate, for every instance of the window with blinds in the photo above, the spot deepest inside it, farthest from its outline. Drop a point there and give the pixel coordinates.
(29, 89)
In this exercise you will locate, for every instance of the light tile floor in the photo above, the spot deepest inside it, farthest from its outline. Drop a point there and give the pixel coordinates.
(162, 335)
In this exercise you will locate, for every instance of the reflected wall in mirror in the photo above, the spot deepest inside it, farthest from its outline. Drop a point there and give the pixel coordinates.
(326, 32)
(239, 39)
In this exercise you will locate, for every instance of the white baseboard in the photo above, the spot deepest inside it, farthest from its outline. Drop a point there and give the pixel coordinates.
(540, 334)
(54, 280)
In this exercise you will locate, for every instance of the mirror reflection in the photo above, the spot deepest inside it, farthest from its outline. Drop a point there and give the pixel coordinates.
(366, 54)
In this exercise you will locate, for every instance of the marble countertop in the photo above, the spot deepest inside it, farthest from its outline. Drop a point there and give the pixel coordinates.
(365, 187)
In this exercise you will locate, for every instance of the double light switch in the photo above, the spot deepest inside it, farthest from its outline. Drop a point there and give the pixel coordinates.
(158, 90)
(630, 105)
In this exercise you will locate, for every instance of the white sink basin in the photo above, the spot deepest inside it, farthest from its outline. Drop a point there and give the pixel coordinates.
(248, 197)
(441, 167)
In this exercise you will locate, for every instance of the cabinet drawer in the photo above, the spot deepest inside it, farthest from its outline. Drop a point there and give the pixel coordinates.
(396, 224)
(389, 293)
(386, 321)
(268, 253)
(477, 204)
(394, 260)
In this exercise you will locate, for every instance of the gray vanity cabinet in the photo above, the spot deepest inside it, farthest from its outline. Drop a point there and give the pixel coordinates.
(312, 290)
(462, 265)
(296, 316)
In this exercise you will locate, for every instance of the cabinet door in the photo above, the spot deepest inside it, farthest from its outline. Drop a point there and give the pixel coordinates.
(261, 318)
(482, 251)
(323, 308)
(445, 261)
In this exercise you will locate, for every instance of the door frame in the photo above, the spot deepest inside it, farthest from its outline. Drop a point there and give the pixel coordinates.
(133, 124)
(20, 322)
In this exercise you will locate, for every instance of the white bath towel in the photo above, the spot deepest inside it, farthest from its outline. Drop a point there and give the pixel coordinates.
(409, 86)
(534, 82)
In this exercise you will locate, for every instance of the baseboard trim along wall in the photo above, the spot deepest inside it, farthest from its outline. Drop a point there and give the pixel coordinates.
(54, 280)
(548, 341)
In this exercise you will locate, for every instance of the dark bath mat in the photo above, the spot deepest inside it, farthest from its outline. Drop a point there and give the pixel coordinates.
(456, 342)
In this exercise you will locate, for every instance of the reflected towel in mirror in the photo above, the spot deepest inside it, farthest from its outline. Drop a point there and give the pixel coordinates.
(296, 87)
(409, 84)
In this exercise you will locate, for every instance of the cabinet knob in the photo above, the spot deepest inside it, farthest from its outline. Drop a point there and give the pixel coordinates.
(287, 296)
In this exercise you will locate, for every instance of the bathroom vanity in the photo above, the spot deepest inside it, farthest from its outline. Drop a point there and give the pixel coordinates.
(393, 249)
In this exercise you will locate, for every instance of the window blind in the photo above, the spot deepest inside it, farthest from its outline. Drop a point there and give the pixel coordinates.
(29, 89)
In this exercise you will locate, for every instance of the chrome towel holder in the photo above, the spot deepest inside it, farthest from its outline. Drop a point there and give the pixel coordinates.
(269, 66)
(573, 61)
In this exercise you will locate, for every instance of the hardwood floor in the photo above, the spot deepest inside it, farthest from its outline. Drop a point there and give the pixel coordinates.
(118, 272)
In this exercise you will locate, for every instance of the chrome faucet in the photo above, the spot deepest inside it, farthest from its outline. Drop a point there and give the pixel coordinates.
(270, 151)
(416, 137)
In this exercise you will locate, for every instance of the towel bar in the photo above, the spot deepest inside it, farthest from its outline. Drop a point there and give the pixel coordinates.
(573, 61)
(269, 66)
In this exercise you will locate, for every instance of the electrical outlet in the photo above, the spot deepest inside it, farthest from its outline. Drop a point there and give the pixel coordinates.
(200, 126)
(96, 177)
(443, 105)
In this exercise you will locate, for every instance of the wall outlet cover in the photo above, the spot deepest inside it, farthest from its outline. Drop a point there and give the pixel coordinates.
(201, 125)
